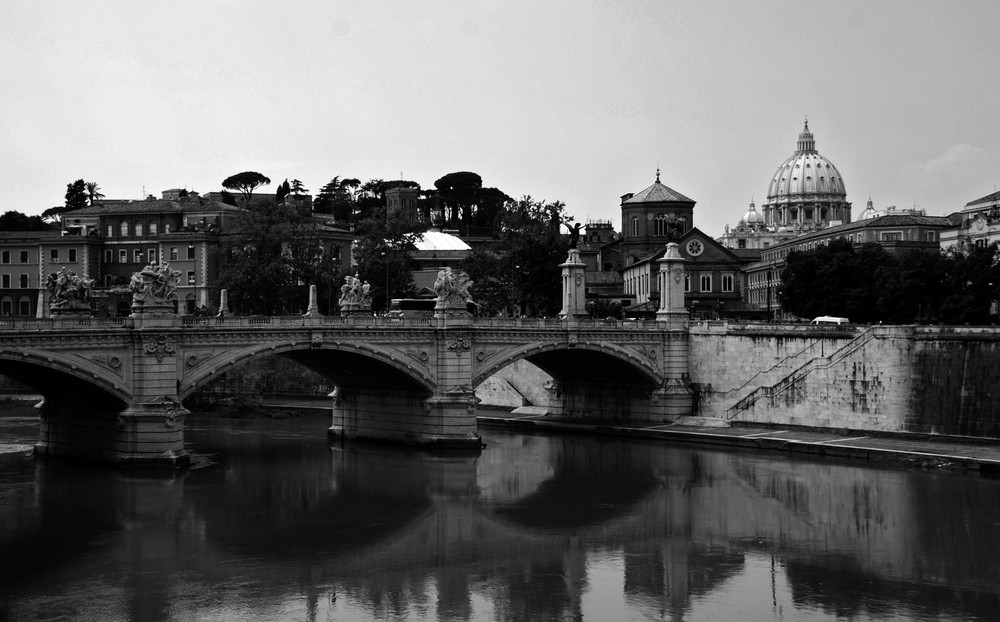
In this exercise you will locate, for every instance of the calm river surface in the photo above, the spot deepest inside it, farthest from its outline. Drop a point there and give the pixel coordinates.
(273, 523)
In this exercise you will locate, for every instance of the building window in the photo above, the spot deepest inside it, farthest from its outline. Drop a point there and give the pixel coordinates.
(7, 306)
(123, 228)
(660, 225)
(5, 257)
(72, 255)
(892, 236)
(190, 252)
(122, 255)
(54, 255)
(173, 253)
(931, 236)
(137, 255)
(6, 282)
(152, 228)
(705, 283)
(24, 256)
(151, 255)
(727, 282)
(23, 281)
(24, 306)
(635, 226)
(190, 277)
(107, 280)
(687, 282)
(109, 256)
(138, 229)
(166, 227)
(111, 231)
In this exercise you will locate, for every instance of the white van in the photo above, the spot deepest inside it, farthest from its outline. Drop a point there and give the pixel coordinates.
(827, 320)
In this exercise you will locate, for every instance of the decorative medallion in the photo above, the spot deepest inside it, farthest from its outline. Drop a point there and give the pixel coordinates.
(192, 361)
(695, 248)
(480, 355)
(460, 343)
(160, 348)
(678, 275)
(423, 356)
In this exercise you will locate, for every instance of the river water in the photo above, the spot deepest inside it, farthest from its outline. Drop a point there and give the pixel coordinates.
(274, 523)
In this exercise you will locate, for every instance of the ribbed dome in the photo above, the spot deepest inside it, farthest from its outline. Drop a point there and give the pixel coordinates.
(806, 174)
(753, 217)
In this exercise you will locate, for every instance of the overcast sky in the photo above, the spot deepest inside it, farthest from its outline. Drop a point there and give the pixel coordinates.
(574, 101)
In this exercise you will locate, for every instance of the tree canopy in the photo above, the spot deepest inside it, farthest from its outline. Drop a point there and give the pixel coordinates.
(76, 195)
(16, 221)
(868, 284)
(382, 251)
(245, 183)
(519, 272)
(270, 258)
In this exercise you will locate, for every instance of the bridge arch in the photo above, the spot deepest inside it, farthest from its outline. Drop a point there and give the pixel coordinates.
(558, 358)
(53, 373)
(355, 364)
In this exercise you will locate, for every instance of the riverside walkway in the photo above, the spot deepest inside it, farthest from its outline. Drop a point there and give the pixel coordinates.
(899, 449)
(902, 449)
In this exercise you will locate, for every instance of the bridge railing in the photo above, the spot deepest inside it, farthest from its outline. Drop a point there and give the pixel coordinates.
(64, 322)
(347, 321)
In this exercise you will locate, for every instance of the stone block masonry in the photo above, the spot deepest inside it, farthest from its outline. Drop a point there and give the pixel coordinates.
(890, 379)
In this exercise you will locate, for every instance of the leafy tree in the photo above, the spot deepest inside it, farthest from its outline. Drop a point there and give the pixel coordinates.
(337, 198)
(298, 188)
(971, 279)
(16, 221)
(76, 195)
(270, 258)
(93, 192)
(282, 192)
(382, 251)
(245, 183)
(459, 194)
(519, 273)
(836, 279)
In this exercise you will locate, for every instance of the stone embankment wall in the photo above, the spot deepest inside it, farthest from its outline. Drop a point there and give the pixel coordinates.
(899, 379)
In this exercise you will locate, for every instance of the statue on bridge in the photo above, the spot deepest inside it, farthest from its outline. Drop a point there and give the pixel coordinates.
(154, 286)
(452, 288)
(355, 295)
(68, 293)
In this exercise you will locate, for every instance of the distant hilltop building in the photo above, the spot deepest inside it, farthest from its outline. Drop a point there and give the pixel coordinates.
(806, 193)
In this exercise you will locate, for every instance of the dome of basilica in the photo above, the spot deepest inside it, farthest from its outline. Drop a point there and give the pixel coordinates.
(806, 172)
(807, 191)
(753, 217)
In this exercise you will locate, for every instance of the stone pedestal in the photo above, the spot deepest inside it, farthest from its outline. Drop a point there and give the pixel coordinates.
(355, 308)
(574, 286)
(672, 311)
(452, 313)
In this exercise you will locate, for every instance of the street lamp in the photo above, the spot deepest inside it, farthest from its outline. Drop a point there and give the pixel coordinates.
(385, 260)
(513, 305)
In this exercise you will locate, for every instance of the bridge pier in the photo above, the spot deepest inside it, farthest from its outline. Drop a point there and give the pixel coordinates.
(406, 417)
(143, 435)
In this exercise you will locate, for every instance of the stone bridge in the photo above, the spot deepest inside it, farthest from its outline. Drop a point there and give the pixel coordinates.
(114, 388)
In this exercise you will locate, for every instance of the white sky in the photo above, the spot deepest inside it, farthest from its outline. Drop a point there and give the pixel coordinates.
(577, 101)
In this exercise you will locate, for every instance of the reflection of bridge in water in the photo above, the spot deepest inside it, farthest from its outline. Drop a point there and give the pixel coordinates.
(380, 526)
